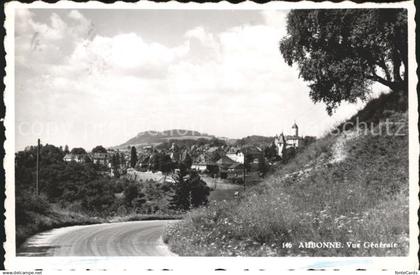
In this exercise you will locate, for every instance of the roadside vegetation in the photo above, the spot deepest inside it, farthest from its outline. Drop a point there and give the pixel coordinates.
(316, 198)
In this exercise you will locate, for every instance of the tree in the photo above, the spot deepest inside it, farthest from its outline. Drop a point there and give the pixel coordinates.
(78, 151)
(154, 162)
(133, 197)
(133, 160)
(187, 161)
(130, 192)
(115, 165)
(270, 152)
(247, 161)
(66, 149)
(165, 163)
(189, 191)
(262, 165)
(115, 162)
(342, 52)
(99, 149)
(199, 190)
(97, 196)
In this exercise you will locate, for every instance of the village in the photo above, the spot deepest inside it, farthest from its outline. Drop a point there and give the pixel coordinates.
(212, 158)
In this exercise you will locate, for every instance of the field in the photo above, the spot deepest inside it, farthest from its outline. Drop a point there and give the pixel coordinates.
(221, 190)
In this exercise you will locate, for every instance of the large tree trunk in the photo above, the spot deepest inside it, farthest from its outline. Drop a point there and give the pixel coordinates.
(400, 87)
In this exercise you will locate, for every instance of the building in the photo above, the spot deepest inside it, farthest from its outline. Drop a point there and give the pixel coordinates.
(75, 157)
(237, 157)
(149, 176)
(203, 163)
(294, 141)
(224, 163)
(101, 158)
(199, 166)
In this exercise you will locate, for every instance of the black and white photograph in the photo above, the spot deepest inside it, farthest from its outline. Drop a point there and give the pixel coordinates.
(270, 132)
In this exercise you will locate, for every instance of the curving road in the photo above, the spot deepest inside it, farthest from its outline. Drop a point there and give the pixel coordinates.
(139, 238)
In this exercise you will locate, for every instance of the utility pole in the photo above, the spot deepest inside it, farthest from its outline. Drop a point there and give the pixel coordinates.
(37, 168)
(244, 175)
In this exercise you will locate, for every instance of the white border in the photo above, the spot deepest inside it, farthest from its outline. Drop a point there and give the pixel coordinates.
(205, 264)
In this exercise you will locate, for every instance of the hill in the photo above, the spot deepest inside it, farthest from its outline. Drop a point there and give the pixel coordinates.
(341, 188)
(156, 137)
(255, 140)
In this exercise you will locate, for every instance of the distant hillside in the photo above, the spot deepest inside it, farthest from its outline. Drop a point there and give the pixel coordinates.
(255, 140)
(156, 137)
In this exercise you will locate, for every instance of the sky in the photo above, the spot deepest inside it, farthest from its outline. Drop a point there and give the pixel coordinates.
(98, 77)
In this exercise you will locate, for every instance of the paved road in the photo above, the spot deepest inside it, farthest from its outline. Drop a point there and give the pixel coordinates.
(139, 238)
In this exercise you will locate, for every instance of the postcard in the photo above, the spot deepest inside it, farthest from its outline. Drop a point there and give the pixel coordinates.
(184, 136)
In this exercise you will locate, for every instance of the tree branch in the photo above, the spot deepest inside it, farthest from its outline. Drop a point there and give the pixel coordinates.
(379, 79)
(384, 67)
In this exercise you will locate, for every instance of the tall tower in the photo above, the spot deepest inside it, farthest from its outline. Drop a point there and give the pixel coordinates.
(294, 126)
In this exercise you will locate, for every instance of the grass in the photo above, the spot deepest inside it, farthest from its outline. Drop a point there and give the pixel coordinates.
(221, 189)
(146, 217)
(223, 195)
(51, 218)
(38, 220)
(362, 198)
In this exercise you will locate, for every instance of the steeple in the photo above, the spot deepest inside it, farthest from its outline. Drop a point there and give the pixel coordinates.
(294, 126)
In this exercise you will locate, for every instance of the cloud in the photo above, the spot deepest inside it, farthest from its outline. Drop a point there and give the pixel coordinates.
(76, 15)
(229, 83)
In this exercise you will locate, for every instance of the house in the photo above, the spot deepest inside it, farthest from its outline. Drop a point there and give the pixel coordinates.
(224, 163)
(149, 176)
(204, 163)
(237, 157)
(252, 152)
(75, 157)
(200, 167)
(101, 158)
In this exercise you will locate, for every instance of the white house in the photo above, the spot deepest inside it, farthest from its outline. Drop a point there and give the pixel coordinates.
(74, 157)
(237, 157)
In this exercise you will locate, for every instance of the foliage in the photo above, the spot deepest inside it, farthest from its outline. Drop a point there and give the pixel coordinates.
(187, 162)
(133, 196)
(98, 196)
(254, 140)
(160, 161)
(189, 191)
(216, 142)
(262, 165)
(270, 152)
(133, 159)
(78, 151)
(99, 149)
(341, 52)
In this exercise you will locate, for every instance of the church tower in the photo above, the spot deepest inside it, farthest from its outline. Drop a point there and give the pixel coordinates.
(296, 128)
